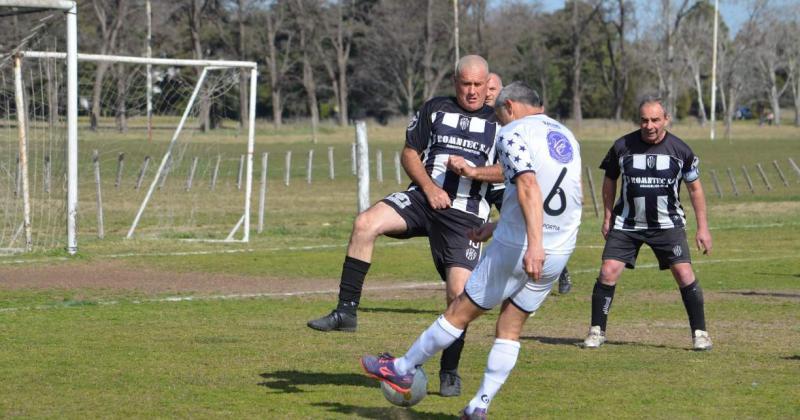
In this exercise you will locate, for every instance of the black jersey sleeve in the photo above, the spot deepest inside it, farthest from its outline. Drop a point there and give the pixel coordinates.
(691, 167)
(419, 128)
(610, 163)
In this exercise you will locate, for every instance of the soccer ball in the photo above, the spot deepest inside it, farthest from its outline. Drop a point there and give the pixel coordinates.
(419, 389)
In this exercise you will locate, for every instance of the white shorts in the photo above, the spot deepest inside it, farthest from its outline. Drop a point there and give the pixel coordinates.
(500, 276)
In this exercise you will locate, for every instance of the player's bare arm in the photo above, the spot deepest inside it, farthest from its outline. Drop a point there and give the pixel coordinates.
(462, 167)
(698, 198)
(609, 192)
(530, 202)
(437, 197)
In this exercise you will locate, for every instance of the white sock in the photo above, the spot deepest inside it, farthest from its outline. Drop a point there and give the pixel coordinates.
(436, 338)
(502, 359)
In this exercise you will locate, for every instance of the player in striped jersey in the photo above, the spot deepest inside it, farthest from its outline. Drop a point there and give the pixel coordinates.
(652, 164)
(439, 203)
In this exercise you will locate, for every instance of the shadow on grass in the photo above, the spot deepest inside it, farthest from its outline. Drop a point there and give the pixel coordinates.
(778, 274)
(574, 342)
(795, 357)
(288, 380)
(401, 310)
(394, 413)
(770, 294)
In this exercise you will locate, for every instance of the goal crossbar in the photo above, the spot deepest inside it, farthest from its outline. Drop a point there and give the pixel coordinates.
(144, 60)
(39, 4)
(244, 221)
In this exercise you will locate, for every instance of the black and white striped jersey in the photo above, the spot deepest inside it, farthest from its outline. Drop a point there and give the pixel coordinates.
(440, 129)
(651, 177)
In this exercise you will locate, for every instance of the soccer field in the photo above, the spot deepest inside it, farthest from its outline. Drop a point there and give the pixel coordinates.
(164, 328)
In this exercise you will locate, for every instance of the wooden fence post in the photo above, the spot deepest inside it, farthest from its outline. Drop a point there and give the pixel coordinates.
(591, 191)
(262, 196)
(764, 176)
(120, 164)
(733, 182)
(100, 228)
(142, 172)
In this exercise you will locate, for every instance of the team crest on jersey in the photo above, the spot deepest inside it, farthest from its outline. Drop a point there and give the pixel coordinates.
(559, 147)
(463, 123)
(651, 162)
(471, 254)
(677, 250)
(413, 123)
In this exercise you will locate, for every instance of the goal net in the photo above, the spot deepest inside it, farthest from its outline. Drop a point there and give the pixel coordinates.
(165, 149)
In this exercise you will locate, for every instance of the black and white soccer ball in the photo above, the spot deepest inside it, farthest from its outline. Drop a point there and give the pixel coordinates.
(419, 389)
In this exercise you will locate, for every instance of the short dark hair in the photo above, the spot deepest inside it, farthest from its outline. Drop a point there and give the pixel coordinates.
(519, 92)
(653, 99)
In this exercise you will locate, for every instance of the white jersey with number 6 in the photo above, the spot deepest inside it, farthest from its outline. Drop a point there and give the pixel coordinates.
(541, 145)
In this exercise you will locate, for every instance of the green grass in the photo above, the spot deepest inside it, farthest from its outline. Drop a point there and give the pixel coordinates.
(105, 352)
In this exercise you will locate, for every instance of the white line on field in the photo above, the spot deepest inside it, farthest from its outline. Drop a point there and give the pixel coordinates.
(405, 286)
(303, 248)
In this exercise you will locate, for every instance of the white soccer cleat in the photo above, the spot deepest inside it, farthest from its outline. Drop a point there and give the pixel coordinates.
(595, 338)
(701, 341)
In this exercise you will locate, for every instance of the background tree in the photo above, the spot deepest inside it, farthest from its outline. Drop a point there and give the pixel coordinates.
(110, 17)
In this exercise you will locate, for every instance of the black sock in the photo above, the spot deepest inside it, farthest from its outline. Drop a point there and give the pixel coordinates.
(452, 355)
(602, 295)
(353, 273)
(693, 301)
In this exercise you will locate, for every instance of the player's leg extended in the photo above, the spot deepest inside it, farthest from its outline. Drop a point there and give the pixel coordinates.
(442, 333)
(692, 296)
(449, 379)
(377, 220)
(502, 357)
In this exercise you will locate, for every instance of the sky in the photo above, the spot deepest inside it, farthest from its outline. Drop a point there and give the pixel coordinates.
(733, 12)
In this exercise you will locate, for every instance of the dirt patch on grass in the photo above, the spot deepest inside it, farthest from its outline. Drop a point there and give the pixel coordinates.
(759, 209)
(118, 276)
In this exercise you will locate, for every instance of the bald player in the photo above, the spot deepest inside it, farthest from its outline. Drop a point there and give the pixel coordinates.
(442, 203)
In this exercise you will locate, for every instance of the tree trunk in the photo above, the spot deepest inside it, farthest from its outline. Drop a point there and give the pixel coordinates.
(243, 73)
(344, 116)
(796, 97)
(342, 56)
(197, 49)
(427, 61)
(310, 85)
(701, 110)
(576, 111)
(121, 114)
(97, 92)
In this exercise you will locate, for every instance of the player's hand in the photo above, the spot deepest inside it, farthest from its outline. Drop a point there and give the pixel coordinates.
(703, 240)
(532, 262)
(460, 166)
(605, 228)
(437, 198)
(482, 233)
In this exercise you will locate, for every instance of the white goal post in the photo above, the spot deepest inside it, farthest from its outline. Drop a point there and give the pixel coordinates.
(70, 7)
(206, 65)
(72, 81)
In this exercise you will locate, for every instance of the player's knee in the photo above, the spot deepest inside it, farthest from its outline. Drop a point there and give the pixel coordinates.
(683, 274)
(609, 274)
(365, 225)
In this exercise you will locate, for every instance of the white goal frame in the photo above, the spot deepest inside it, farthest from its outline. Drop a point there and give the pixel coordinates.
(70, 7)
(72, 56)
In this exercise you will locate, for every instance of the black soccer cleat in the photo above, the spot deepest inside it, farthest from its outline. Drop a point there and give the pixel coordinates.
(335, 321)
(564, 282)
(449, 383)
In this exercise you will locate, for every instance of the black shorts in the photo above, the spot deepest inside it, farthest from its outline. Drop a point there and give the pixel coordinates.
(446, 230)
(669, 246)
